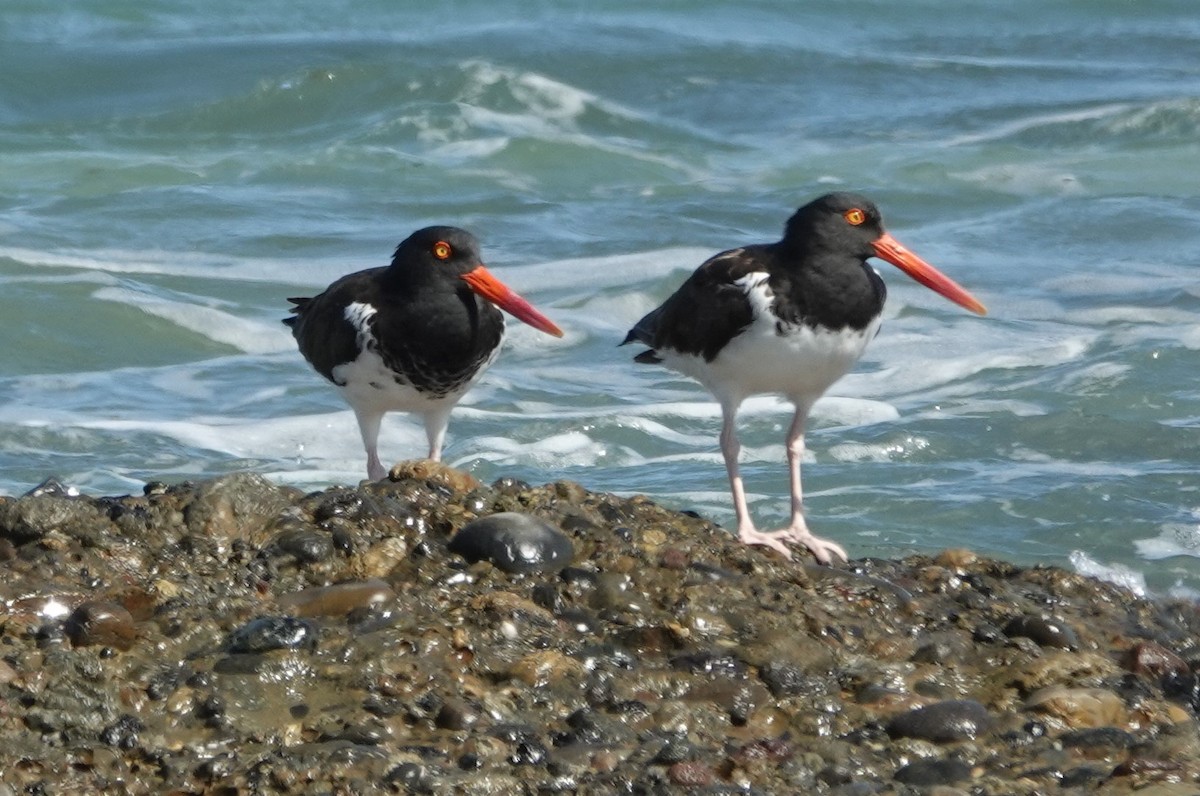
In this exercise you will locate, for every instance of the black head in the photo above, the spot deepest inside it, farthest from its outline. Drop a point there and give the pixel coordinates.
(844, 223)
(435, 251)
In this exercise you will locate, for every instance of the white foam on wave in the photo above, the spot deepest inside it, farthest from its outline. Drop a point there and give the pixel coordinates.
(878, 452)
(1025, 179)
(1017, 126)
(567, 449)
(1174, 539)
(832, 410)
(583, 276)
(918, 363)
(1119, 574)
(317, 271)
(544, 96)
(546, 110)
(249, 336)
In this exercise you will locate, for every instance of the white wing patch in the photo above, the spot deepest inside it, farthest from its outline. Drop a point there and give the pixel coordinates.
(358, 314)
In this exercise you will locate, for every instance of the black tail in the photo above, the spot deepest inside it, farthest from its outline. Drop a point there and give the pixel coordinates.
(301, 302)
(643, 332)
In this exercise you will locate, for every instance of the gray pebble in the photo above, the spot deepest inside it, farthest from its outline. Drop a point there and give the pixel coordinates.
(268, 633)
(952, 720)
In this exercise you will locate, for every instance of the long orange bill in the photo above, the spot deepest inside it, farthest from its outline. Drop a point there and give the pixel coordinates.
(890, 249)
(482, 282)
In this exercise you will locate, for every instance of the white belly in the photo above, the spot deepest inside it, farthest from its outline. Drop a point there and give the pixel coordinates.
(367, 384)
(800, 363)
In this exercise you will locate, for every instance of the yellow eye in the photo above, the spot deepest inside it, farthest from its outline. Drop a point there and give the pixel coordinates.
(855, 216)
(442, 250)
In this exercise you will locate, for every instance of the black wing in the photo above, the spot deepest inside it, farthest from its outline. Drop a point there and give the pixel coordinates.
(707, 310)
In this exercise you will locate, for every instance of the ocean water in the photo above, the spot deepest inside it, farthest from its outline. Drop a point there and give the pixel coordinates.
(171, 172)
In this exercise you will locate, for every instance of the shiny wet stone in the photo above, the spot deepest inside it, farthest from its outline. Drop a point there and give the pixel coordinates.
(514, 542)
(268, 633)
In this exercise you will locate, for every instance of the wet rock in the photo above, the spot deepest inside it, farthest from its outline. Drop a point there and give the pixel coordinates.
(1046, 631)
(941, 722)
(303, 545)
(1154, 660)
(931, 772)
(1184, 688)
(1080, 707)
(664, 654)
(545, 667)
(517, 543)
(267, 633)
(32, 518)
(443, 475)
(123, 733)
(98, 623)
(54, 488)
(338, 599)
(1106, 737)
(455, 714)
(690, 773)
(237, 506)
(786, 679)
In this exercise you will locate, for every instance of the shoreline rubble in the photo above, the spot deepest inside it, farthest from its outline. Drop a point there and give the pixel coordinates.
(235, 636)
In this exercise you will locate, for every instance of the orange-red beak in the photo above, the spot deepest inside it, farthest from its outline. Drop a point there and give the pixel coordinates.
(888, 248)
(482, 282)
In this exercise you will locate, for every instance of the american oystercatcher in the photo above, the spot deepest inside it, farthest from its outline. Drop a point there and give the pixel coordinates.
(789, 318)
(412, 336)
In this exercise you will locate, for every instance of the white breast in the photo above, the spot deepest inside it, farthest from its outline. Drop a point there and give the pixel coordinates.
(369, 384)
(794, 360)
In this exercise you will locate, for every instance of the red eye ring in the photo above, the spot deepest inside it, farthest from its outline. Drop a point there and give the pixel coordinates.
(442, 250)
(854, 216)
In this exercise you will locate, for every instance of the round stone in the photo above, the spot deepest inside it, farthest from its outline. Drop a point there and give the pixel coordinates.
(514, 542)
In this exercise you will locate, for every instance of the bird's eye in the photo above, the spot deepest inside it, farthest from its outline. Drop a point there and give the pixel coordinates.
(854, 216)
(442, 250)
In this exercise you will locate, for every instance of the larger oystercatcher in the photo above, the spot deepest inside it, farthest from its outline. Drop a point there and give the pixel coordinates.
(789, 318)
(412, 336)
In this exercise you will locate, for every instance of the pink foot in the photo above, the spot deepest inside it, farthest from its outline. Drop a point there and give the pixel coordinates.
(822, 549)
(771, 540)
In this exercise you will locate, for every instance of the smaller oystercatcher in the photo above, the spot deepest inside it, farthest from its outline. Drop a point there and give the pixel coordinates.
(412, 336)
(789, 318)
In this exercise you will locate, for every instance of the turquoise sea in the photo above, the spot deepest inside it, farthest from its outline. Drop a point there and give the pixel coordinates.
(170, 172)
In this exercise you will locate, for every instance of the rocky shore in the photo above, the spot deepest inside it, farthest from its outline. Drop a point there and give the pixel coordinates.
(234, 636)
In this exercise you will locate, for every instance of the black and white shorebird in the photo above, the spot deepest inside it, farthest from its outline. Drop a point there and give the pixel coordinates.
(412, 336)
(787, 318)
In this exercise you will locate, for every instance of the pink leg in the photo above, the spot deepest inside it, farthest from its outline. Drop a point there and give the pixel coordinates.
(797, 531)
(368, 426)
(435, 430)
(730, 448)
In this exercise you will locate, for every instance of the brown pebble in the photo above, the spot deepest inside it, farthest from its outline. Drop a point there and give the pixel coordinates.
(435, 472)
(455, 714)
(7, 672)
(1080, 707)
(1154, 660)
(957, 558)
(690, 772)
(1141, 766)
(605, 761)
(673, 558)
(338, 599)
(545, 667)
(97, 623)
(774, 750)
